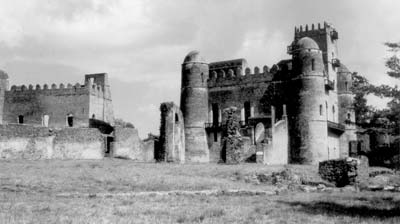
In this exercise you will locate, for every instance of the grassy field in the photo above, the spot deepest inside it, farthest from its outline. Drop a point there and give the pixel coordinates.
(29, 193)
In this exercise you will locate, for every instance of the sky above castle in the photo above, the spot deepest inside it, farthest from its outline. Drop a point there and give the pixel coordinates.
(142, 43)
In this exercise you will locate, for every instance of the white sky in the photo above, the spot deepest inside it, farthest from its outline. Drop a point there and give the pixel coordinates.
(141, 43)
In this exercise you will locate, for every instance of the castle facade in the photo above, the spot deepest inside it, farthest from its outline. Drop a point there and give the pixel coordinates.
(299, 111)
(57, 106)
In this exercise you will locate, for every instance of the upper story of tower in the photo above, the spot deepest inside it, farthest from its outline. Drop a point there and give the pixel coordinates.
(326, 37)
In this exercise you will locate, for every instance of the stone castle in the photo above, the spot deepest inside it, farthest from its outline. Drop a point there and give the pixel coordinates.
(57, 106)
(298, 111)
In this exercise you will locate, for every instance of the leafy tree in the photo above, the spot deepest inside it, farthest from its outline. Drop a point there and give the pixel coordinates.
(118, 122)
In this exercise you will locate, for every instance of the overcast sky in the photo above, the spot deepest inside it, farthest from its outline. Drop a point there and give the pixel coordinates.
(141, 43)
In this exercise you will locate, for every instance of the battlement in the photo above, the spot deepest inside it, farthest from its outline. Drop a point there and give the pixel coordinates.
(88, 88)
(314, 30)
(220, 78)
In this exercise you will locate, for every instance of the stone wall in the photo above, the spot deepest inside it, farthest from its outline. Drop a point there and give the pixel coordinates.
(128, 145)
(34, 143)
(78, 143)
(82, 102)
(278, 154)
(342, 172)
(172, 134)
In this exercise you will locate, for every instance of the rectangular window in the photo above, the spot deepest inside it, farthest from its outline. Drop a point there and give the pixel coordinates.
(247, 112)
(215, 114)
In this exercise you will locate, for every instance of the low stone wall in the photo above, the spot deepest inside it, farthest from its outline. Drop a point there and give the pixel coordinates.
(342, 172)
(34, 143)
(127, 145)
(78, 143)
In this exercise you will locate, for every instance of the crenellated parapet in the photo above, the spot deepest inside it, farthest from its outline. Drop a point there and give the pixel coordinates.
(60, 89)
(246, 76)
(314, 30)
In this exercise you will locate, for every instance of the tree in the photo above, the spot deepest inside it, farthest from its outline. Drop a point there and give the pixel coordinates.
(361, 88)
(118, 122)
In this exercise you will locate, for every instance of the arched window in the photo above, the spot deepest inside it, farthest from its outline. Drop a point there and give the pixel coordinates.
(312, 64)
(345, 86)
(348, 116)
(320, 110)
(176, 118)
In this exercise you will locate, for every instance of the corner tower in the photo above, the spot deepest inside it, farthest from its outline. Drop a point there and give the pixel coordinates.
(3, 88)
(194, 106)
(308, 120)
(326, 37)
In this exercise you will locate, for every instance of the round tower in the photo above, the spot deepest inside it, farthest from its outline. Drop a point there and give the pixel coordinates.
(3, 89)
(346, 109)
(308, 115)
(194, 106)
(345, 82)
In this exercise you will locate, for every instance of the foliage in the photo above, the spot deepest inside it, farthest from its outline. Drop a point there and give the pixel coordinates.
(121, 123)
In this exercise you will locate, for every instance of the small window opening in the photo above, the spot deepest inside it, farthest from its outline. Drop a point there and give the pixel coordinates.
(93, 116)
(345, 86)
(215, 136)
(202, 77)
(348, 116)
(176, 118)
(215, 114)
(247, 111)
(45, 121)
(320, 110)
(313, 64)
(20, 119)
(70, 121)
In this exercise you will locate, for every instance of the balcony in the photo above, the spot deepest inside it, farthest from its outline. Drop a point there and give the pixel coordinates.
(329, 85)
(336, 127)
(335, 62)
(213, 125)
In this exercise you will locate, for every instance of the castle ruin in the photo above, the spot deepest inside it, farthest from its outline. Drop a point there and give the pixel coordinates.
(298, 111)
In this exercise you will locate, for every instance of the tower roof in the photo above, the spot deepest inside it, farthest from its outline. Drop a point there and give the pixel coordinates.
(193, 57)
(307, 43)
(3, 74)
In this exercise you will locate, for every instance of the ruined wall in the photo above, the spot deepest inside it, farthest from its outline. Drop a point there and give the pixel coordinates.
(25, 142)
(34, 143)
(128, 145)
(82, 102)
(172, 134)
(57, 103)
(278, 154)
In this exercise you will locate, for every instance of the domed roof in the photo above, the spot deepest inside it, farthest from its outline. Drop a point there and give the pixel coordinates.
(3, 75)
(343, 69)
(307, 43)
(194, 56)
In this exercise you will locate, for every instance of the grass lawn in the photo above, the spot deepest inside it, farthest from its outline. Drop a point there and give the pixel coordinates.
(29, 194)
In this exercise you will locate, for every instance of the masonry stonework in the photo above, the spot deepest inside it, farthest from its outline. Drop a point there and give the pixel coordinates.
(310, 94)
